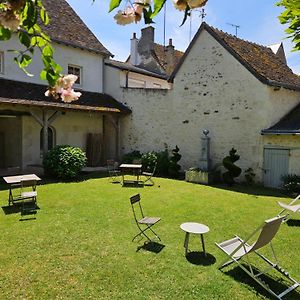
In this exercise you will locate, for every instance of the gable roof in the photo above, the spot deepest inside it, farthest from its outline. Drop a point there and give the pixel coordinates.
(66, 27)
(258, 59)
(289, 124)
(128, 67)
(159, 55)
(30, 94)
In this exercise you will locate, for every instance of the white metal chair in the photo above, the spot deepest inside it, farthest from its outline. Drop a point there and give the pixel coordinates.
(289, 209)
(148, 222)
(149, 175)
(113, 172)
(237, 249)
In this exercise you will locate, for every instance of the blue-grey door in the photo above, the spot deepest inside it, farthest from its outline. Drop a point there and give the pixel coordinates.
(276, 164)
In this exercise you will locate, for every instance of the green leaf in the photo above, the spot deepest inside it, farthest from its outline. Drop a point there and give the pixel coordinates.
(5, 34)
(43, 75)
(113, 4)
(158, 5)
(147, 15)
(24, 39)
(44, 16)
(25, 61)
(47, 51)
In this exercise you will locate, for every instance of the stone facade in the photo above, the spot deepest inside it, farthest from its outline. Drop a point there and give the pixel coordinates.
(211, 90)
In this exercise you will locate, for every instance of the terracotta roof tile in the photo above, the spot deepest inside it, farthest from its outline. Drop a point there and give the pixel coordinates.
(258, 59)
(23, 93)
(66, 27)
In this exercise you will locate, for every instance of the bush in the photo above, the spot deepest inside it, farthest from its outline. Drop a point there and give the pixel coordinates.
(233, 170)
(64, 161)
(249, 176)
(174, 167)
(291, 183)
(149, 160)
(129, 157)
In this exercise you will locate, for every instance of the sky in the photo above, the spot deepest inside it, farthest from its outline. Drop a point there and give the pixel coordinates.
(258, 21)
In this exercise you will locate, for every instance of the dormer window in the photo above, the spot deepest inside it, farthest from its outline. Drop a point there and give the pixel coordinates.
(76, 70)
(1, 62)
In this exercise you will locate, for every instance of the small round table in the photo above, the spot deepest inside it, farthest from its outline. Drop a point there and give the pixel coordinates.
(196, 228)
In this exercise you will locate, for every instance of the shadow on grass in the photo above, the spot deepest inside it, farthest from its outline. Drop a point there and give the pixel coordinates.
(255, 190)
(277, 284)
(151, 247)
(198, 258)
(133, 184)
(293, 222)
(14, 209)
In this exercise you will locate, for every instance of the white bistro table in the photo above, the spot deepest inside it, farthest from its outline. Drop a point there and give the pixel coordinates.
(15, 181)
(195, 228)
(134, 169)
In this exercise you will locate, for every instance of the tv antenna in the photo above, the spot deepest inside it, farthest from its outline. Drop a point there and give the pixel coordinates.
(202, 15)
(236, 28)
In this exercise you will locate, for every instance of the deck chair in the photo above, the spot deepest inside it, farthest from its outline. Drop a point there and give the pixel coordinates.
(148, 175)
(145, 223)
(289, 209)
(237, 249)
(113, 172)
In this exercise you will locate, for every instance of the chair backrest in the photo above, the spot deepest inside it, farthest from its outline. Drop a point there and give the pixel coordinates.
(28, 183)
(268, 231)
(111, 164)
(294, 200)
(137, 161)
(133, 201)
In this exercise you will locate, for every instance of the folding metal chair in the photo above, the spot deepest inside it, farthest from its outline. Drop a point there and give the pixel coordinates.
(148, 222)
(114, 174)
(236, 249)
(289, 209)
(28, 190)
(149, 175)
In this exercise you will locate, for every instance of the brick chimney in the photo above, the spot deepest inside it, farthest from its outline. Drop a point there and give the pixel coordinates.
(170, 57)
(134, 55)
(146, 43)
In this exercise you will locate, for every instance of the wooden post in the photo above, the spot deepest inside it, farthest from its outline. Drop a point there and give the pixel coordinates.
(45, 133)
(118, 129)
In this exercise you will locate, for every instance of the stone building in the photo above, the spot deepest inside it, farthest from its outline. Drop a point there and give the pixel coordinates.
(236, 89)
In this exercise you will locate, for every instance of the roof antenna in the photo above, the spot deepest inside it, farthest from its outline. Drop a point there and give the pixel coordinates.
(202, 15)
(236, 28)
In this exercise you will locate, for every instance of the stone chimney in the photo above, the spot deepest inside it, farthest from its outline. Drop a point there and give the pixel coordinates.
(134, 55)
(170, 57)
(146, 43)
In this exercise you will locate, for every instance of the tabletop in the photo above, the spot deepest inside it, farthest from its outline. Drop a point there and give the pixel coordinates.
(192, 227)
(19, 178)
(131, 166)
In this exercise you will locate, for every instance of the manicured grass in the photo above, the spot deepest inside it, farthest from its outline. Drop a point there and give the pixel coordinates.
(79, 246)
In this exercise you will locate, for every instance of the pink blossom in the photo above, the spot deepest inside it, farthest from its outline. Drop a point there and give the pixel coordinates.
(180, 4)
(125, 17)
(10, 20)
(69, 95)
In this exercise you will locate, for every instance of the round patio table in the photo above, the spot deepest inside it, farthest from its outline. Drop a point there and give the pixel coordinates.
(195, 228)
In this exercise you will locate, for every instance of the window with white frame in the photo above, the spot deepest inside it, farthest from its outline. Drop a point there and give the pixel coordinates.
(76, 70)
(1, 62)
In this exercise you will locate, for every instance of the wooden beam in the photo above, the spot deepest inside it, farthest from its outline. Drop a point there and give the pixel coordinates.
(45, 132)
(54, 116)
(37, 118)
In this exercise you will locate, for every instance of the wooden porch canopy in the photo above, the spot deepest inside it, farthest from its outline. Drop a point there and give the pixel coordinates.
(32, 95)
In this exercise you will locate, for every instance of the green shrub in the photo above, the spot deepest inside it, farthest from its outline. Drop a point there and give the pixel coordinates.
(291, 183)
(64, 161)
(233, 170)
(174, 167)
(129, 157)
(249, 176)
(149, 160)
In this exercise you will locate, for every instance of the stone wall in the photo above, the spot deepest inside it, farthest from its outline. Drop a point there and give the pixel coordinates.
(213, 91)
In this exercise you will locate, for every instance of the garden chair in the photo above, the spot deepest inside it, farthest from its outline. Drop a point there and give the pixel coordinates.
(113, 172)
(149, 175)
(289, 209)
(28, 191)
(236, 249)
(145, 223)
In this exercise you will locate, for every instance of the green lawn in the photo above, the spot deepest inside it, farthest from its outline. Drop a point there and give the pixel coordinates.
(79, 246)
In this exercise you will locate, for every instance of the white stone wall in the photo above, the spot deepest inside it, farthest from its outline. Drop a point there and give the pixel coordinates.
(213, 91)
(91, 63)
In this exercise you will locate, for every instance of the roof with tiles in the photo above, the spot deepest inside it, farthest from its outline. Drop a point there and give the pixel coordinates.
(289, 124)
(23, 93)
(258, 59)
(66, 27)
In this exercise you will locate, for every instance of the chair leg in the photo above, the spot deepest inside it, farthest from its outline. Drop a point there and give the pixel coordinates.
(143, 233)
